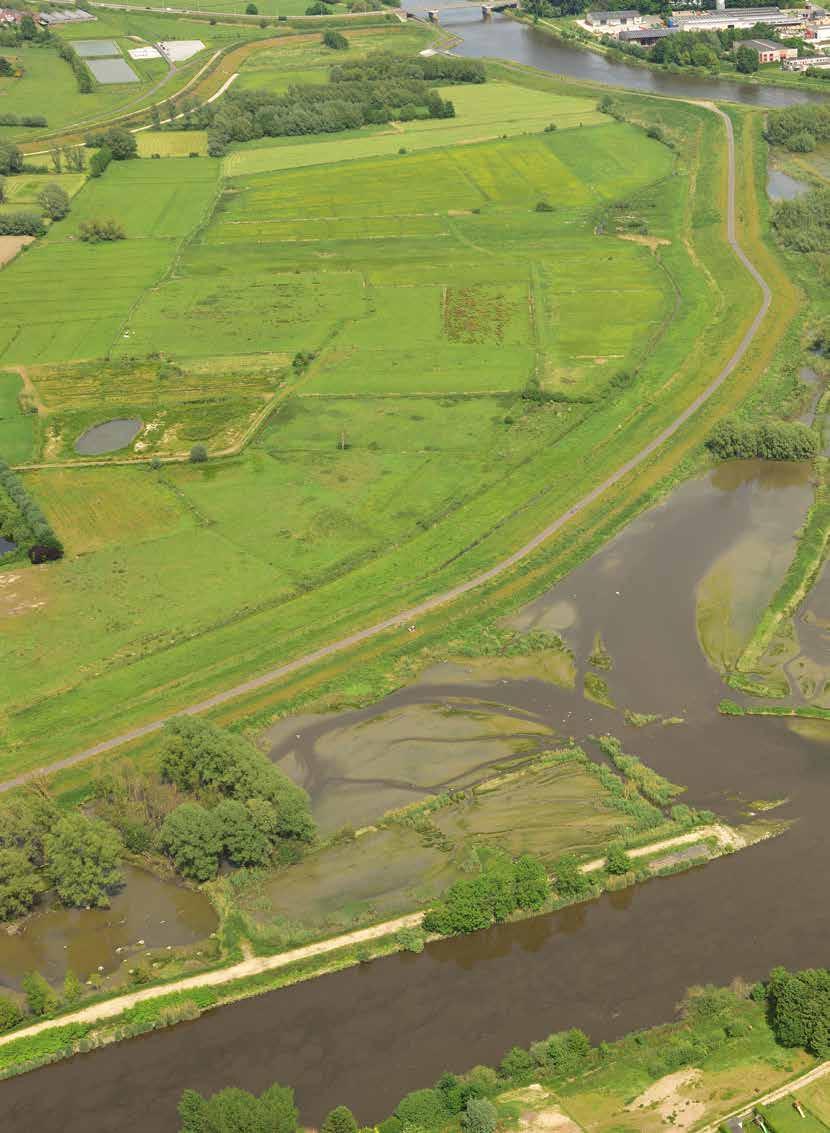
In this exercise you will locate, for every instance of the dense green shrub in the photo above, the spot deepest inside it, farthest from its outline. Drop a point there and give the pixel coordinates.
(192, 836)
(773, 440)
(54, 200)
(785, 125)
(100, 231)
(569, 880)
(11, 159)
(335, 40)
(800, 1009)
(40, 997)
(502, 887)
(121, 143)
(198, 454)
(804, 223)
(339, 1120)
(10, 1014)
(424, 1108)
(617, 861)
(480, 1116)
(21, 224)
(99, 161)
(20, 883)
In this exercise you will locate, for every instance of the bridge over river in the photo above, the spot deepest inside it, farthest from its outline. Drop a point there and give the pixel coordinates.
(487, 9)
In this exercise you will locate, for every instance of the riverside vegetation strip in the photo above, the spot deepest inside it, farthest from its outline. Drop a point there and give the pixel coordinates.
(348, 563)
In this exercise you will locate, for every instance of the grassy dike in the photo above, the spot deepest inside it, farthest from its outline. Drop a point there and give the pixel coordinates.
(238, 651)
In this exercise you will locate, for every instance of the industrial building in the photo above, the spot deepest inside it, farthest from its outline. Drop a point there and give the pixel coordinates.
(768, 50)
(611, 20)
(723, 18)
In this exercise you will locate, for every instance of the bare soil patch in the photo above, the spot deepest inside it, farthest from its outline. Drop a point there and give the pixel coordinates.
(11, 245)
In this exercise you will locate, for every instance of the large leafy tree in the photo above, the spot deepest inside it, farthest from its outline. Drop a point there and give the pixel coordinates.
(800, 1009)
(192, 836)
(20, 883)
(82, 858)
(340, 1120)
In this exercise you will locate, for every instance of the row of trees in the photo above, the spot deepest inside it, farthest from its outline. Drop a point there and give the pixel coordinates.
(80, 70)
(321, 109)
(38, 536)
(432, 68)
(22, 120)
(774, 440)
(803, 224)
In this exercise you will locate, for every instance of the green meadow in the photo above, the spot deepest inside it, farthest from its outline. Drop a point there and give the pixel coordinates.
(430, 299)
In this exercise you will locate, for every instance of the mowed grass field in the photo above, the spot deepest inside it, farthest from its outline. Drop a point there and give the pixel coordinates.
(429, 290)
(65, 300)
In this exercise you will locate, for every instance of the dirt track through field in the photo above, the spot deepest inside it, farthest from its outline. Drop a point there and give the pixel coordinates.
(406, 617)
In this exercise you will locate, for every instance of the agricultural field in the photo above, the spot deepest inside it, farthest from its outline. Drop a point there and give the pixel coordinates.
(429, 299)
(16, 428)
(172, 143)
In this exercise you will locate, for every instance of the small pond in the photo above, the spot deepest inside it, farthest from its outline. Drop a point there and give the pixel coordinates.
(6, 546)
(782, 187)
(109, 436)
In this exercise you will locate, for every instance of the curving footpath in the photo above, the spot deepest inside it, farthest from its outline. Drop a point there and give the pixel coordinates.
(425, 607)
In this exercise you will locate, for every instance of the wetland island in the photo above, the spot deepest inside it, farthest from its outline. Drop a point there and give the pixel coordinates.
(414, 602)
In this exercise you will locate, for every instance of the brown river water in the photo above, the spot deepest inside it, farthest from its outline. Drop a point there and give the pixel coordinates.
(366, 1036)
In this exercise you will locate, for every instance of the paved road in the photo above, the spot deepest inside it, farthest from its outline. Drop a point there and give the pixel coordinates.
(406, 617)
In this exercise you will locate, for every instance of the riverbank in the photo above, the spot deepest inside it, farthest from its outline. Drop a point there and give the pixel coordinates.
(182, 1000)
(566, 31)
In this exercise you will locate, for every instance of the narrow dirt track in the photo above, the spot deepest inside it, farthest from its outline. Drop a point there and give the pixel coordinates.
(407, 616)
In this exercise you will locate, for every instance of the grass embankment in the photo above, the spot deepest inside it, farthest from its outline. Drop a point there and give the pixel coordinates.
(216, 644)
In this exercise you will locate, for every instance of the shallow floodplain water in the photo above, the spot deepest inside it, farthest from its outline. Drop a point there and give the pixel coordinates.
(158, 913)
(366, 1036)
